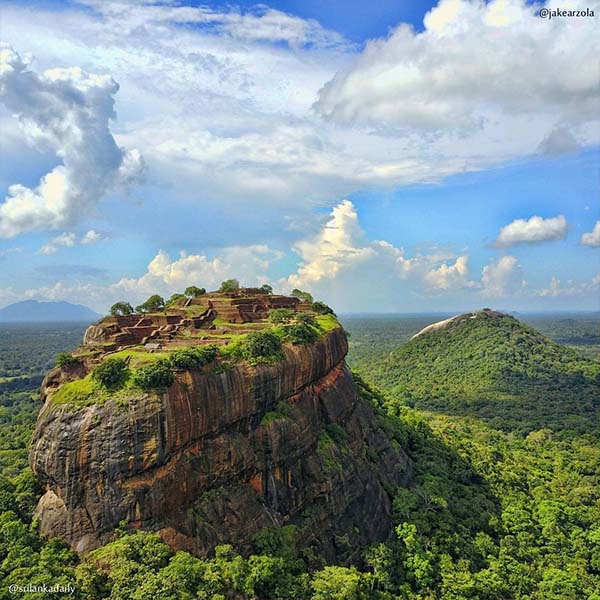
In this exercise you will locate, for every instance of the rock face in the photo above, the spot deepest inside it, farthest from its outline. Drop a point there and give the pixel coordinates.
(221, 455)
(453, 321)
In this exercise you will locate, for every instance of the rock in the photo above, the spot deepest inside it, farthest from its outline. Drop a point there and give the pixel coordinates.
(219, 456)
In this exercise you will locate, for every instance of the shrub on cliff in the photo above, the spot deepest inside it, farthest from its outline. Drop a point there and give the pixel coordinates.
(111, 373)
(193, 358)
(154, 376)
(261, 346)
(322, 309)
(281, 315)
(307, 319)
(299, 334)
(64, 359)
(119, 309)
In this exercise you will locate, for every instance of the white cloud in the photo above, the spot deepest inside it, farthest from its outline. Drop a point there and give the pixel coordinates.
(475, 63)
(451, 277)
(532, 230)
(166, 276)
(258, 23)
(501, 277)
(244, 84)
(556, 289)
(339, 264)
(593, 237)
(66, 110)
(68, 240)
(91, 237)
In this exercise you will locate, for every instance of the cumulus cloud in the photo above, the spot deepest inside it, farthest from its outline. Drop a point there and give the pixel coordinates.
(531, 231)
(474, 63)
(166, 276)
(66, 110)
(592, 238)
(571, 288)
(501, 277)
(68, 240)
(339, 258)
(450, 277)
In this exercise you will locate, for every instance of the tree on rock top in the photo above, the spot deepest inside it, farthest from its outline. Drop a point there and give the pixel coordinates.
(119, 309)
(305, 296)
(193, 291)
(265, 288)
(230, 286)
(153, 304)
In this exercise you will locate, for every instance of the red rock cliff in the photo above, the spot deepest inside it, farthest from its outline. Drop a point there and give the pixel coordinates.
(221, 455)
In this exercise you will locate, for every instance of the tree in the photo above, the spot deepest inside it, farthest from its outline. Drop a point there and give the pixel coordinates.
(111, 373)
(193, 358)
(281, 315)
(322, 308)
(340, 583)
(193, 291)
(266, 288)
(154, 304)
(174, 299)
(64, 359)
(300, 334)
(119, 309)
(304, 296)
(154, 376)
(230, 286)
(261, 345)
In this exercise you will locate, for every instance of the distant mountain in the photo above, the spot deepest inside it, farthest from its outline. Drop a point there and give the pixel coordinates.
(489, 364)
(34, 311)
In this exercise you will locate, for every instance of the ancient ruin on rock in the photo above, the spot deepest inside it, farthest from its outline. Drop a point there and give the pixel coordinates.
(224, 450)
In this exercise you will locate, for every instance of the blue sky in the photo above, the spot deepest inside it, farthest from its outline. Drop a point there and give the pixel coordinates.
(398, 157)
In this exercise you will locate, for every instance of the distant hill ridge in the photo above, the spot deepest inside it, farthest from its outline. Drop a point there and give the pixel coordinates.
(37, 312)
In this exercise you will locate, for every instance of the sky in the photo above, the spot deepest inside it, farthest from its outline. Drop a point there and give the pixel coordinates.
(401, 156)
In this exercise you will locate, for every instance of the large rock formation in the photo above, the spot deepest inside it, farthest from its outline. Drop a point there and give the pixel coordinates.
(222, 454)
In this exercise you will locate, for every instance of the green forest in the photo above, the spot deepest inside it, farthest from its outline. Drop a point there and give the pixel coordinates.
(499, 421)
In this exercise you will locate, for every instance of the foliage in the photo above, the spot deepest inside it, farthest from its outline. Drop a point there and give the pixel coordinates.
(155, 375)
(112, 373)
(266, 288)
(299, 333)
(495, 367)
(281, 315)
(321, 308)
(121, 309)
(230, 286)
(304, 296)
(154, 304)
(64, 359)
(174, 299)
(261, 346)
(306, 319)
(494, 511)
(193, 358)
(193, 291)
